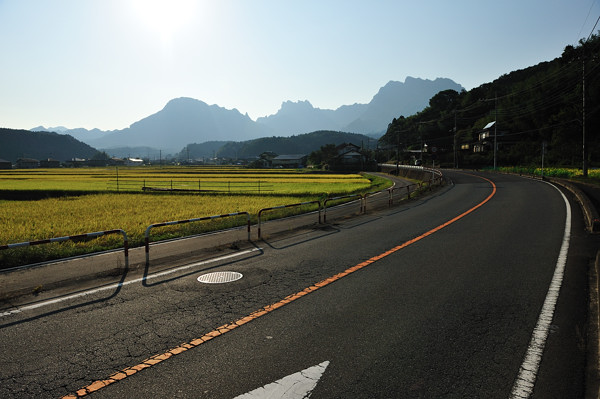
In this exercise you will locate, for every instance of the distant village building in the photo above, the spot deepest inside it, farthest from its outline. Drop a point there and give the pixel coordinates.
(4, 164)
(27, 163)
(116, 161)
(264, 160)
(289, 161)
(134, 162)
(345, 148)
(77, 162)
(349, 156)
(486, 138)
(50, 163)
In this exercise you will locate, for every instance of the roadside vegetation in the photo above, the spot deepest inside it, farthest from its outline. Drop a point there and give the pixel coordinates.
(564, 173)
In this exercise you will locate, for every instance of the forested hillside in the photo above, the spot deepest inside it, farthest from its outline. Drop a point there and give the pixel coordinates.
(41, 145)
(540, 106)
(299, 144)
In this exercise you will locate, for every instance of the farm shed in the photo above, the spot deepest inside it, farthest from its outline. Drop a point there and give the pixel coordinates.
(116, 161)
(27, 163)
(4, 164)
(289, 161)
(50, 163)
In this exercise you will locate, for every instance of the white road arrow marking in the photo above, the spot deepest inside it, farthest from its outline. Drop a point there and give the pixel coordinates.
(296, 386)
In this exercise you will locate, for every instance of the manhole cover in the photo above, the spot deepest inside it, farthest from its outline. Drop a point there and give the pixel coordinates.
(219, 277)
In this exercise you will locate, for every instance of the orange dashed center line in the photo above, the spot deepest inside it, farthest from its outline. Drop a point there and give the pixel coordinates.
(118, 376)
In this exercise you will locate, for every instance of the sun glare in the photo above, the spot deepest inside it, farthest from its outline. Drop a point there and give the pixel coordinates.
(164, 17)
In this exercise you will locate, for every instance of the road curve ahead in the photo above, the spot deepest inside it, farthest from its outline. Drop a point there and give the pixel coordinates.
(435, 297)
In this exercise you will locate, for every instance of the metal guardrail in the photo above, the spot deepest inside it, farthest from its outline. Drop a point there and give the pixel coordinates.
(147, 232)
(75, 237)
(359, 196)
(286, 206)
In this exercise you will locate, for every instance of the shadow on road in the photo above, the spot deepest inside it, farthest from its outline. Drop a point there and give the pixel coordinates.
(71, 307)
(147, 275)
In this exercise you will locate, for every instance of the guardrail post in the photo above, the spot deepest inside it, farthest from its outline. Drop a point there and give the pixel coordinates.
(126, 249)
(147, 244)
(248, 223)
(318, 208)
(365, 195)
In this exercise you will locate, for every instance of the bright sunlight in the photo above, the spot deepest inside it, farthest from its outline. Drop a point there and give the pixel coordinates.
(164, 17)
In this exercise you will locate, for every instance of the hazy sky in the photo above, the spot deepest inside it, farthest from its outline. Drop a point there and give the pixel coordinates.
(108, 63)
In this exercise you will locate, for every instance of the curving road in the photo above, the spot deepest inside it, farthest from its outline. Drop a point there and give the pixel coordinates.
(436, 297)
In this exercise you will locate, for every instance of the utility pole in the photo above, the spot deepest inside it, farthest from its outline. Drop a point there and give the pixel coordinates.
(585, 165)
(543, 152)
(455, 160)
(495, 127)
(398, 157)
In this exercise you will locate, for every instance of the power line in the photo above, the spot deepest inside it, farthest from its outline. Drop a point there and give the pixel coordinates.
(593, 28)
(558, 82)
(586, 18)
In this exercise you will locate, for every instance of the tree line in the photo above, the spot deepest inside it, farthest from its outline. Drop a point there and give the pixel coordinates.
(551, 107)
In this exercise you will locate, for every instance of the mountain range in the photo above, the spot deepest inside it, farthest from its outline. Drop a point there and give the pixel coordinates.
(186, 121)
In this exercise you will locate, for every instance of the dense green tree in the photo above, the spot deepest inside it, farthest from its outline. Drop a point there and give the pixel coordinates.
(323, 155)
(101, 156)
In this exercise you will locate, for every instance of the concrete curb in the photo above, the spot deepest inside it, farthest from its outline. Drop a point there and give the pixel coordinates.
(592, 372)
(589, 211)
(592, 222)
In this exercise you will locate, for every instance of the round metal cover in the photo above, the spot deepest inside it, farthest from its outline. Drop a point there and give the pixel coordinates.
(219, 277)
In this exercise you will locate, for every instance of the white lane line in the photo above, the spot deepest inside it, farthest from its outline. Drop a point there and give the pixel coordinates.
(525, 382)
(295, 386)
(128, 282)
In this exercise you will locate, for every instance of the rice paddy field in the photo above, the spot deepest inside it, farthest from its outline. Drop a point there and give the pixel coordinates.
(215, 179)
(44, 203)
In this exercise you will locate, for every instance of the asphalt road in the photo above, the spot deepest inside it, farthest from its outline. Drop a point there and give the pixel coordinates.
(436, 297)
